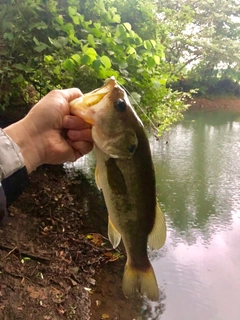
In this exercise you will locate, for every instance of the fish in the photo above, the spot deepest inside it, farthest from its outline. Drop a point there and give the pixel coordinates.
(125, 174)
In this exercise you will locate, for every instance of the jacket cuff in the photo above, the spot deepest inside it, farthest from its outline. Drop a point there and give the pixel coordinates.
(11, 158)
(13, 173)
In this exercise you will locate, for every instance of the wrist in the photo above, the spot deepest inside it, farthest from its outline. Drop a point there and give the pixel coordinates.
(28, 143)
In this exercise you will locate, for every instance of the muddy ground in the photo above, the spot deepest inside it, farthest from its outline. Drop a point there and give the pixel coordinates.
(54, 252)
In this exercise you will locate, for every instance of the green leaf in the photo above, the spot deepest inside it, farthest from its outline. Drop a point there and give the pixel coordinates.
(58, 43)
(151, 62)
(90, 39)
(118, 40)
(55, 43)
(135, 98)
(57, 70)
(153, 43)
(123, 65)
(130, 50)
(76, 57)
(68, 65)
(73, 38)
(86, 59)
(38, 25)
(76, 20)
(69, 28)
(97, 64)
(8, 35)
(116, 18)
(36, 41)
(138, 41)
(41, 47)
(121, 29)
(59, 19)
(147, 44)
(96, 32)
(97, 25)
(48, 58)
(18, 79)
(106, 73)
(127, 26)
(156, 59)
(90, 52)
(106, 62)
(72, 11)
(19, 66)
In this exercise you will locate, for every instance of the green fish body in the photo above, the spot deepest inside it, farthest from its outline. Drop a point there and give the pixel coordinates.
(125, 174)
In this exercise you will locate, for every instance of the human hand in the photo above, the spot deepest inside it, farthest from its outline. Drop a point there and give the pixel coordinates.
(49, 134)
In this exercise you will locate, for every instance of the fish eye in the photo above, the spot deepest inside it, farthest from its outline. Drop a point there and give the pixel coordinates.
(132, 148)
(120, 105)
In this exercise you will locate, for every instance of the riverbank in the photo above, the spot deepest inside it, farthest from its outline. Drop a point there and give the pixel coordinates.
(54, 252)
(205, 103)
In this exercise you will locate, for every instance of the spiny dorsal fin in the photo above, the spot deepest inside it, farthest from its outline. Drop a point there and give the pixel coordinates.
(157, 237)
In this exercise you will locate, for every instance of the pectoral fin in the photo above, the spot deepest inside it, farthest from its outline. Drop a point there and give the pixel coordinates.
(113, 235)
(157, 237)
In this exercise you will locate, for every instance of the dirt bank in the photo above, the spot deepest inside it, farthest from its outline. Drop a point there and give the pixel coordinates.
(52, 251)
(205, 103)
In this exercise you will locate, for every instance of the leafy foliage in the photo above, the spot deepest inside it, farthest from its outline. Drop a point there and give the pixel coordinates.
(55, 44)
(150, 47)
(202, 40)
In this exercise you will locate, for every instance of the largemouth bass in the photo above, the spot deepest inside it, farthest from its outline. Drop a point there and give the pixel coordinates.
(125, 174)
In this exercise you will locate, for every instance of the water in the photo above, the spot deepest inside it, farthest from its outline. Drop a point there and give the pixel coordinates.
(198, 185)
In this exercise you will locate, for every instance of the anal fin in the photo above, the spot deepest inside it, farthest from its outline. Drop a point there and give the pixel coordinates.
(157, 237)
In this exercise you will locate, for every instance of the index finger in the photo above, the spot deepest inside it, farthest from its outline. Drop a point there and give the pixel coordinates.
(71, 93)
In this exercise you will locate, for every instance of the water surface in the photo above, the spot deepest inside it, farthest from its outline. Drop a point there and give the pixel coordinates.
(198, 183)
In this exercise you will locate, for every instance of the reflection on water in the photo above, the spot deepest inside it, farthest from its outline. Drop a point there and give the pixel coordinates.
(198, 183)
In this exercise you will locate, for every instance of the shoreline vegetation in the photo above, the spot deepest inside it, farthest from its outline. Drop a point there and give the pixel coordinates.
(214, 103)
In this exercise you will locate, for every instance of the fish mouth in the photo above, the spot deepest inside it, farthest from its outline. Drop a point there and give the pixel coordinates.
(80, 106)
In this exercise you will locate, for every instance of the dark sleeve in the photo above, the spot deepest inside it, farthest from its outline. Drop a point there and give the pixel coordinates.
(15, 184)
(13, 173)
(3, 206)
(10, 189)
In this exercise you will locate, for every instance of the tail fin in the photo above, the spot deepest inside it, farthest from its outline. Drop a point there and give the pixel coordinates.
(142, 281)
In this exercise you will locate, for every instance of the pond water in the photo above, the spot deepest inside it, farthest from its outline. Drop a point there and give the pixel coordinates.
(198, 185)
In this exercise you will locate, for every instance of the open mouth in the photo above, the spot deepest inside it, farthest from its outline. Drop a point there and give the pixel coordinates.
(80, 106)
